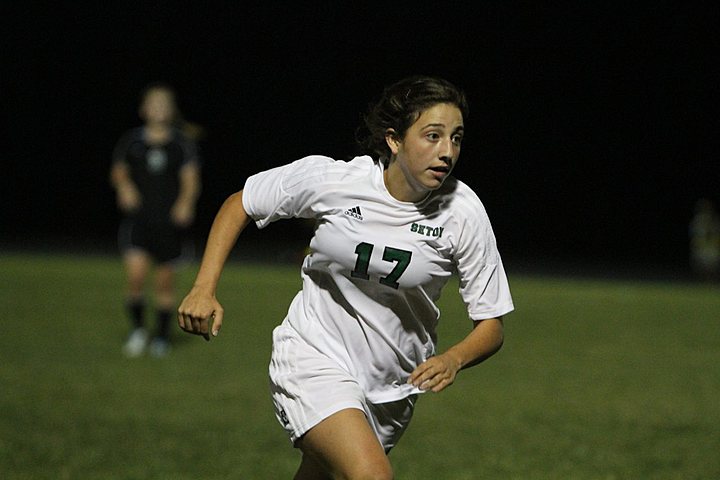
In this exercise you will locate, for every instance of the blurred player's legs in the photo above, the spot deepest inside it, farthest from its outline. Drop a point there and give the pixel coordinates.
(137, 265)
(165, 304)
(147, 245)
(136, 343)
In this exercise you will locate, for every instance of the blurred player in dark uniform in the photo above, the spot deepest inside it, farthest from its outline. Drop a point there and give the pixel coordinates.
(705, 240)
(156, 174)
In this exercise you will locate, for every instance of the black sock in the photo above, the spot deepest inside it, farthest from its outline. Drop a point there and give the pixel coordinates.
(163, 323)
(136, 311)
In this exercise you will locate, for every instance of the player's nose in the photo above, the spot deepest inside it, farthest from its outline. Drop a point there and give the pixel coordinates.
(447, 152)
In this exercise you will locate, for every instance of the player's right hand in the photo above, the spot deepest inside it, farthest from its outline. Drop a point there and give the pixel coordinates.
(128, 198)
(200, 314)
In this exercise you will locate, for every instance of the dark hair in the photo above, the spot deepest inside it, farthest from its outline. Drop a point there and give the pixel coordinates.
(400, 106)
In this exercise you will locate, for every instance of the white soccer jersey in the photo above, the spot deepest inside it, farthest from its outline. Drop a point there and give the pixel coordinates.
(377, 265)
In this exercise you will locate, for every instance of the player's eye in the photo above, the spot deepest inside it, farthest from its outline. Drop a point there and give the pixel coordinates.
(457, 139)
(433, 136)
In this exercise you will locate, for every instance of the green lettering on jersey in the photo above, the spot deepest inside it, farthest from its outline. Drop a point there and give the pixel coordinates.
(427, 230)
(400, 257)
(363, 251)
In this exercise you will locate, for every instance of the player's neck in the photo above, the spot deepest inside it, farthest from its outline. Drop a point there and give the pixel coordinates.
(398, 186)
(157, 132)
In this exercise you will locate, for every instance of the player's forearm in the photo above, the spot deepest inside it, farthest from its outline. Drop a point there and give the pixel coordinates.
(189, 186)
(120, 177)
(485, 340)
(230, 220)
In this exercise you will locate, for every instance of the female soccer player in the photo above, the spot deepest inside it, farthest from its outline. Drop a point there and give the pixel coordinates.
(156, 175)
(358, 343)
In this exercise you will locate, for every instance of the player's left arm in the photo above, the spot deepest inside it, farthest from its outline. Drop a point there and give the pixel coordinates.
(183, 210)
(439, 371)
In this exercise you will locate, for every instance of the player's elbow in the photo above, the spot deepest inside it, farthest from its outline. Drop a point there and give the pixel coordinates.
(499, 343)
(499, 335)
(494, 334)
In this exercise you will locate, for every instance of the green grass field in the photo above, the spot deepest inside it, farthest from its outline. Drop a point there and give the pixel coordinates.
(597, 380)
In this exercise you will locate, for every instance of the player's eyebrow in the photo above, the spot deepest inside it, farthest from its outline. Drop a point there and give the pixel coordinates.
(459, 128)
(442, 125)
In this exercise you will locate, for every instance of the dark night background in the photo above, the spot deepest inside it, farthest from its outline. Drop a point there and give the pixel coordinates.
(593, 126)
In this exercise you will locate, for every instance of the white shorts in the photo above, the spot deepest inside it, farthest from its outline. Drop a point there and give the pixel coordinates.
(307, 387)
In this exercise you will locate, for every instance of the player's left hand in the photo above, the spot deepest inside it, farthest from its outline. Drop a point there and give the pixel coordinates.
(182, 214)
(436, 373)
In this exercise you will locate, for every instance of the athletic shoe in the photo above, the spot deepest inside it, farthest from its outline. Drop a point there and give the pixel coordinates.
(136, 343)
(159, 347)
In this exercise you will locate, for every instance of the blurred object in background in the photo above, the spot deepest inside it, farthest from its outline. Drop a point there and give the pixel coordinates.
(705, 240)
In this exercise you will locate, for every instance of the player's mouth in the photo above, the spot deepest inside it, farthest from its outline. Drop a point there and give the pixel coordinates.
(440, 171)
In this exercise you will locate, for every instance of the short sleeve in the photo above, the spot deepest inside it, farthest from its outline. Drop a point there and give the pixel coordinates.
(120, 151)
(284, 192)
(483, 283)
(190, 151)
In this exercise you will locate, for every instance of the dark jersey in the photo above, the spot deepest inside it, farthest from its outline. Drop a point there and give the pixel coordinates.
(155, 170)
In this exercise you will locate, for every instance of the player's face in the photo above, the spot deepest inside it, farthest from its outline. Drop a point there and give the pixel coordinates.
(158, 107)
(427, 154)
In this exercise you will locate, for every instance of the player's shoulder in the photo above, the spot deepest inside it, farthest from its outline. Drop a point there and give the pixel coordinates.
(130, 141)
(461, 209)
(362, 163)
(178, 135)
(135, 134)
(324, 169)
(457, 196)
(458, 205)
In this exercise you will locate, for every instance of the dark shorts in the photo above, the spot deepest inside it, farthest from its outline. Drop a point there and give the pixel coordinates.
(162, 241)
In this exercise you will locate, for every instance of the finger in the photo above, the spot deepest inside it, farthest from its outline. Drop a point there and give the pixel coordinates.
(443, 384)
(195, 326)
(183, 323)
(421, 375)
(206, 327)
(420, 369)
(430, 379)
(436, 380)
(439, 386)
(426, 368)
(217, 322)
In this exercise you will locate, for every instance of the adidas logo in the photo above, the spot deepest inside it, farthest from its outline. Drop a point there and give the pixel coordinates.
(354, 212)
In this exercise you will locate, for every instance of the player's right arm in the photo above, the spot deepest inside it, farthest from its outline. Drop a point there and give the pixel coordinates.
(128, 196)
(200, 313)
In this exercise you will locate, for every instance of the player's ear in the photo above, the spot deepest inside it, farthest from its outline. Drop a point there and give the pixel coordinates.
(392, 140)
